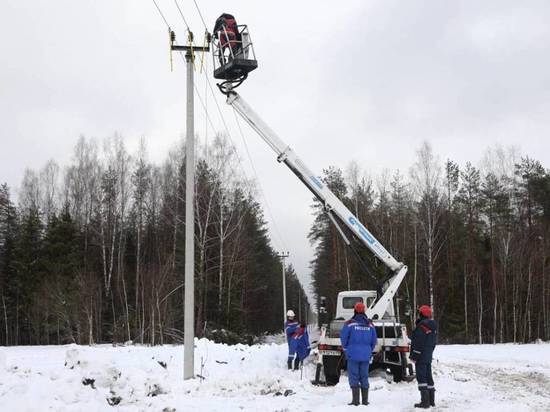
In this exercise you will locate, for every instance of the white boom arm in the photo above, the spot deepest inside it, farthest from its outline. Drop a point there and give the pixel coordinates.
(331, 203)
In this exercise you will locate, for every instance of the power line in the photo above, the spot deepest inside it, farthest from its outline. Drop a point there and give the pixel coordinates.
(200, 14)
(262, 193)
(207, 115)
(161, 15)
(181, 14)
(209, 120)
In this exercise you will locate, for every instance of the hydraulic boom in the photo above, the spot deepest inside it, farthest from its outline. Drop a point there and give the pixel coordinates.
(332, 205)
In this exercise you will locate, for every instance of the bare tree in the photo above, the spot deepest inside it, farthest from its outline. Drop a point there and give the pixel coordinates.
(30, 194)
(121, 160)
(353, 181)
(49, 176)
(426, 179)
(228, 219)
(141, 180)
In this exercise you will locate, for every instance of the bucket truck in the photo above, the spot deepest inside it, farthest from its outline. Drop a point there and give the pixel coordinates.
(232, 67)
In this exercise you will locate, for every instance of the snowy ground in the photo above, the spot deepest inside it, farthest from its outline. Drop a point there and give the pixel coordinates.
(236, 378)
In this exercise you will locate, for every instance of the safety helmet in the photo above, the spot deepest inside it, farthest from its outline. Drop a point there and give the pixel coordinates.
(425, 311)
(359, 307)
(290, 313)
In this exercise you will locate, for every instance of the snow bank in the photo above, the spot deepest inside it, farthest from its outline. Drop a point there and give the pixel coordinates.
(236, 378)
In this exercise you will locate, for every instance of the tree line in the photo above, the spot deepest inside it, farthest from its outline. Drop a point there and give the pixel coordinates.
(476, 241)
(95, 252)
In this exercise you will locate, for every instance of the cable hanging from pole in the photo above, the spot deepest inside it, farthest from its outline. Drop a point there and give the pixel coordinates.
(262, 193)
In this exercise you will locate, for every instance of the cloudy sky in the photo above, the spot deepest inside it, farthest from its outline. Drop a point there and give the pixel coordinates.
(339, 81)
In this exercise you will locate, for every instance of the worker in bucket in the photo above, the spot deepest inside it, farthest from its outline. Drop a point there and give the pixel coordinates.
(358, 337)
(291, 325)
(228, 32)
(299, 346)
(423, 342)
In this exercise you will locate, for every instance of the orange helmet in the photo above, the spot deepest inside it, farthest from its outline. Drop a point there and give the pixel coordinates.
(359, 307)
(425, 311)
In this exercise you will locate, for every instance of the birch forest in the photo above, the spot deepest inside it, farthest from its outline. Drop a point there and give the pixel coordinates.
(94, 251)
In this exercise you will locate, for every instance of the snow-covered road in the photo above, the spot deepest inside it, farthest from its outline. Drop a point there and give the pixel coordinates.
(236, 378)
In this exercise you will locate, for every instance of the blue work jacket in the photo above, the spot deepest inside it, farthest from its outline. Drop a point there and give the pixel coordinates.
(358, 337)
(423, 340)
(300, 343)
(290, 329)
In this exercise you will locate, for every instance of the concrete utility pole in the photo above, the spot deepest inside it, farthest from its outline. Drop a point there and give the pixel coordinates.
(189, 298)
(189, 320)
(283, 256)
(300, 304)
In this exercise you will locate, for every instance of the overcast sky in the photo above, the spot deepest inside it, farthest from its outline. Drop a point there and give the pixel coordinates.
(339, 81)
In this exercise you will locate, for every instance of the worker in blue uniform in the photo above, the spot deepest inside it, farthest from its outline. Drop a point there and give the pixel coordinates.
(423, 341)
(299, 345)
(358, 337)
(291, 325)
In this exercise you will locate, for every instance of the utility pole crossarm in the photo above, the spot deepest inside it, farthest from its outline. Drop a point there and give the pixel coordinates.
(190, 48)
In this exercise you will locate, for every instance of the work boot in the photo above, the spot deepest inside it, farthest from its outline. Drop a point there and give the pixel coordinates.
(296, 364)
(354, 396)
(365, 396)
(424, 400)
(289, 363)
(431, 393)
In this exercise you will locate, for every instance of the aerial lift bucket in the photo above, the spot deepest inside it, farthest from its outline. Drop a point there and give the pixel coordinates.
(235, 59)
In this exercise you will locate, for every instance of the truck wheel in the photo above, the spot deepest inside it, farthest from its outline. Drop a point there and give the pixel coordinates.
(331, 366)
(318, 373)
(398, 373)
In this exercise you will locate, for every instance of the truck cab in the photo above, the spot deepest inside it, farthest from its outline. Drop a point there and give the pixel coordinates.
(347, 300)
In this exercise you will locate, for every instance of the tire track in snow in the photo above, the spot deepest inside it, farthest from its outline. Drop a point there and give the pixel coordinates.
(503, 384)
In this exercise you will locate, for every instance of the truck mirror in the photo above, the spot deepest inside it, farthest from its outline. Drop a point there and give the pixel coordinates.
(407, 309)
(323, 315)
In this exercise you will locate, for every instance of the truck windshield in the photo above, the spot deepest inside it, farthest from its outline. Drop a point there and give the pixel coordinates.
(349, 302)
